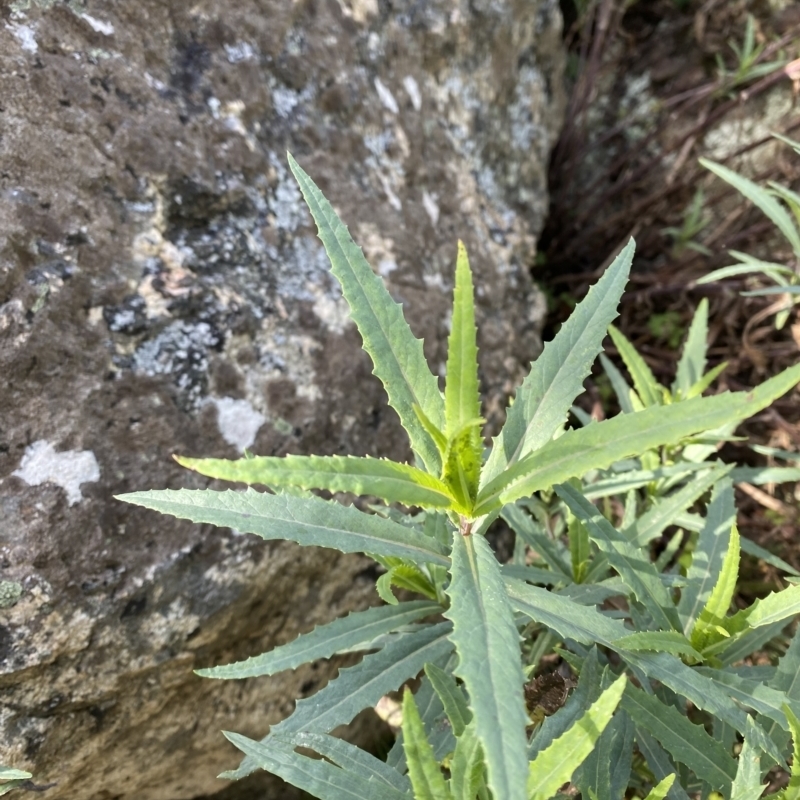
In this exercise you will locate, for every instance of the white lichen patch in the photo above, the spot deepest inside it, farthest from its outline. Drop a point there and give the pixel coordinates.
(431, 206)
(238, 421)
(25, 35)
(333, 312)
(386, 96)
(412, 89)
(68, 469)
(106, 28)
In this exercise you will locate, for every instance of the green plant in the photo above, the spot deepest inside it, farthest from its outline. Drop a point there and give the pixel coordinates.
(785, 276)
(694, 222)
(469, 724)
(747, 55)
(11, 778)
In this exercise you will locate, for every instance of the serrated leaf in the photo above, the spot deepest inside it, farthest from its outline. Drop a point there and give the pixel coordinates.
(466, 767)
(316, 776)
(396, 354)
(747, 783)
(712, 617)
(698, 388)
(618, 383)
(350, 758)
(660, 642)
(787, 681)
(564, 616)
(692, 363)
(389, 480)
(426, 777)
(554, 766)
(792, 791)
(462, 466)
(647, 387)
(709, 554)
(361, 686)
(600, 445)
(462, 401)
(528, 530)
(668, 510)
(752, 549)
(775, 607)
(622, 482)
(686, 742)
(305, 520)
(452, 697)
(404, 576)
(633, 566)
(487, 643)
(761, 198)
(661, 789)
(345, 633)
(556, 377)
(606, 770)
(659, 763)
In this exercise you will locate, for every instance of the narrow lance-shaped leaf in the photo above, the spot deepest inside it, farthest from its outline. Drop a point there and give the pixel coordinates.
(396, 354)
(632, 564)
(709, 553)
(600, 445)
(692, 363)
(556, 377)
(452, 697)
(487, 643)
(709, 627)
(392, 482)
(305, 520)
(316, 776)
(554, 765)
(645, 382)
(462, 396)
(786, 680)
(762, 198)
(361, 686)
(661, 789)
(792, 791)
(686, 742)
(345, 633)
(618, 383)
(466, 766)
(747, 783)
(423, 769)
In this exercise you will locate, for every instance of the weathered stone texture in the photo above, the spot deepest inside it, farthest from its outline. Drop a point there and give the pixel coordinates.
(162, 290)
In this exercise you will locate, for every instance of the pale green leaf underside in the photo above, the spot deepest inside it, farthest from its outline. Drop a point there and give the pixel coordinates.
(389, 480)
(361, 686)
(487, 643)
(426, 778)
(305, 520)
(556, 377)
(345, 633)
(396, 354)
(601, 444)
(687, 743)
(554, 765)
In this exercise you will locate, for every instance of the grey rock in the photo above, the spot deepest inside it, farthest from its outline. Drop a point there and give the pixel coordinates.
(162, 291)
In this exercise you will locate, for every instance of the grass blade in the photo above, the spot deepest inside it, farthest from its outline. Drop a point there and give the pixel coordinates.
(556, 377)
(487, 643)
(389, 480)
(345, 633)
(305, 520)
(396, 354)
